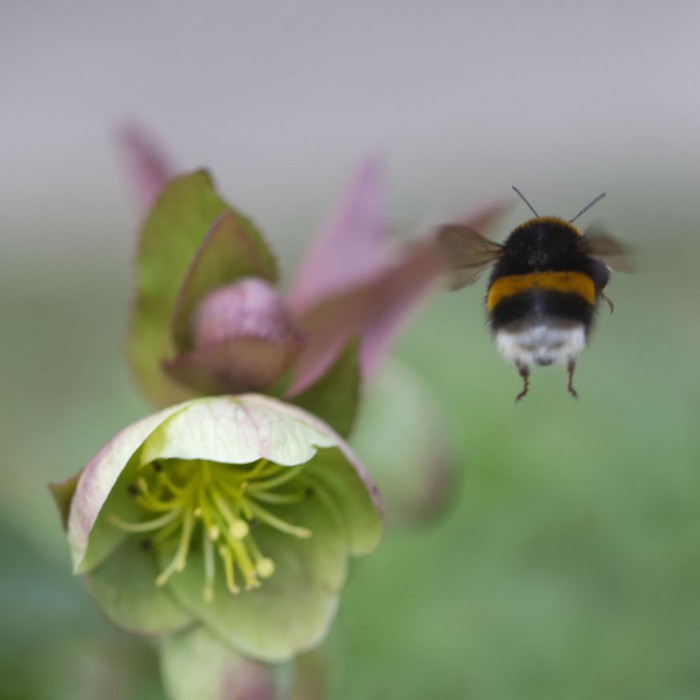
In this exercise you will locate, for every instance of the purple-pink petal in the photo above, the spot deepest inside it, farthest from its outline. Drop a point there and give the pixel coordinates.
(243, 340)
(249, 307)
(404, 287)
(352, 246)
(149, 169)
(376, 310)
(371, 311)
(235, 365)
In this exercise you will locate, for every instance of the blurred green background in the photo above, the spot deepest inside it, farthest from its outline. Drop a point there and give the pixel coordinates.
(568, 564)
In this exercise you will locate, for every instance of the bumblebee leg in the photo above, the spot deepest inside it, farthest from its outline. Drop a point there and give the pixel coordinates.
(607, 300)
(524, 372)
(570, 385)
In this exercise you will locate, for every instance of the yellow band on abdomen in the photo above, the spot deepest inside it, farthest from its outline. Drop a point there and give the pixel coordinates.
(577, 283)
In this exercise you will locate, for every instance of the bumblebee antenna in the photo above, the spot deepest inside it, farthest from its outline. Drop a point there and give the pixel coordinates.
(588, 206)
(524, 198)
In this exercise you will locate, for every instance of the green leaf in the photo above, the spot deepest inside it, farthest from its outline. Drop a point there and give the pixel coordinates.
(176, 234)
(194, 664)
(335, 396)
(124, 587)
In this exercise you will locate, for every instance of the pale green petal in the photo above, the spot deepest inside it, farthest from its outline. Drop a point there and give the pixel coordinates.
(351, 495)
(96, 483)
(124, 587)
(292, 610)
(239, 430)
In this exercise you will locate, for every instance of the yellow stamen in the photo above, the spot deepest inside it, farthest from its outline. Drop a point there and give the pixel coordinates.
(219, 503)
(225, 555)
(281, 498)
(287, 474)
(178, 561)
(279, 524)
(209, 568)
(146, 525)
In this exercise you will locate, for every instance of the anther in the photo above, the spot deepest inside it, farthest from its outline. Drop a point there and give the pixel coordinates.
(265, 567)
(239, 529)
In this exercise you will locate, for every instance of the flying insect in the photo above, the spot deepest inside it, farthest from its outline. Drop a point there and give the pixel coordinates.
(545, 287)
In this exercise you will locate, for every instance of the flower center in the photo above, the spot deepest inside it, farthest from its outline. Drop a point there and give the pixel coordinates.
(219, 505)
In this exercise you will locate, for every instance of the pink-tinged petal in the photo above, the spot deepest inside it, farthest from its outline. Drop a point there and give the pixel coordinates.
(237, 365)
(351, 247)
(371, 312)
(242, 429)
(148, 167)
(99, 477)
(374, 311)
(407, 286)
(250, 307)
(244, 340)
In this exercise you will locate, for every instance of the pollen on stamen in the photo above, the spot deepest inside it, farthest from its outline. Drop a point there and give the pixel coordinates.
(265, 567)
(239, 529)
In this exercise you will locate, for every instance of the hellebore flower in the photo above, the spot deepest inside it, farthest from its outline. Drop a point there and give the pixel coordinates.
(237, 514)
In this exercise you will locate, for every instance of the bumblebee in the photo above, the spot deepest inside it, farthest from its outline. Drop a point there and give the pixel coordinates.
(547, 281)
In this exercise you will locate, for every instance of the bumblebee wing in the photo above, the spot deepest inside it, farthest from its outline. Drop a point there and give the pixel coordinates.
(598, 243)
(467, 253)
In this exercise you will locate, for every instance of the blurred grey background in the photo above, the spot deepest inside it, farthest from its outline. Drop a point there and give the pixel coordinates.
(280, 100)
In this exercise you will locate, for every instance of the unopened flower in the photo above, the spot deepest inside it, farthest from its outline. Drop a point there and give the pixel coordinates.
(234, 513)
